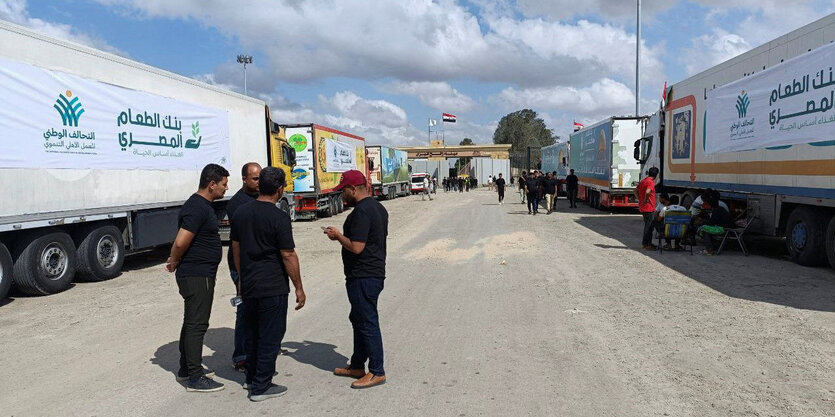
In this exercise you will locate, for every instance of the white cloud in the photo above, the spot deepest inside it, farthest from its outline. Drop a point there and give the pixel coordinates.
(563, 9)
(15, 11)
(711, 49)
(605, 97)
(438, 95)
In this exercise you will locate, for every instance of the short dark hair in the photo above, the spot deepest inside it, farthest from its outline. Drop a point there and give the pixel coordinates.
(212, 172)
(245, 168)
(674, 199)
(653, 172)
(571, 170)
(271, 179)
(665, 196)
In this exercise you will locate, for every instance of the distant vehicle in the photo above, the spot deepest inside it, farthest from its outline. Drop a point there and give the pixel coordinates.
(322, 155)
(555, 158)
(756, 129)
(417, 182)
(389, 170)
(601, 157)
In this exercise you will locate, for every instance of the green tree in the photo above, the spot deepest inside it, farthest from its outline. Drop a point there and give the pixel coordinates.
(523, 129)
(466, 142)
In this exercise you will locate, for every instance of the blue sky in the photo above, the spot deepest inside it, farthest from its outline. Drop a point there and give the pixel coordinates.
(381, 68)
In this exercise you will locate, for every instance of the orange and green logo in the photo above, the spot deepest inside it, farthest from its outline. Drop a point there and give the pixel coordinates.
(298, 142)
(69, 108)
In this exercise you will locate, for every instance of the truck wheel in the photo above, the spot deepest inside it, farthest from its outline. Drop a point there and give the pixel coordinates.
(830, 242)
(328, 212)
(100, 254)
(6, 267)
(340, 205)
(45, 263)
(805, 236)
(687, 199)
(284, 206)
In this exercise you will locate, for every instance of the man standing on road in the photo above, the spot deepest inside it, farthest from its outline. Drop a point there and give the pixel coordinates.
(460, 184)
(571, 188)
(532, 188)
(499, 184)
(549, 186)
(195, 255)
(264, 253)
(522, 186)
(645, 192)
(364, 259)
(427, 183)
(490, 182)
(249, 192)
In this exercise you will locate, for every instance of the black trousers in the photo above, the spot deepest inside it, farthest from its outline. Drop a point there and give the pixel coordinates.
(266, 322)
(533, 201)
(572, 197)
(648, 226)
(501, 194)
(198, 294)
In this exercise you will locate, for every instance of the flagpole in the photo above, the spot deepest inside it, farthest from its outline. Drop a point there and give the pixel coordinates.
(443, 129)
(429, 130)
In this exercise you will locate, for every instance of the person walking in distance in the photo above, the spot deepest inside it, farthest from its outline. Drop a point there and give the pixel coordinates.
(250, 173)
(490, 182)
(460, 184)
(264, 253)
(532, 188)
(549, 186)
(194, 258)
(427, 184)
(571, 188)
(522, 186)
(364, 259)
(645, 192)
(499, 184)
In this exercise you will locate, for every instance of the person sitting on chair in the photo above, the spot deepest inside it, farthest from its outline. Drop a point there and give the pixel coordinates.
(719, 219)
(667, 203)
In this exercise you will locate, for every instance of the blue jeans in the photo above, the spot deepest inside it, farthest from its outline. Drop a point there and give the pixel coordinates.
(266, 322)
(368, 341)
(239, 354)
(533, 202)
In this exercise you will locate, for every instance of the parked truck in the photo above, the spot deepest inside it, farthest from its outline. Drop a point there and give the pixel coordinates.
(99, 153)
(756, 128)
(322, 155)
(389, 168)
(555, 159)
(601, 156)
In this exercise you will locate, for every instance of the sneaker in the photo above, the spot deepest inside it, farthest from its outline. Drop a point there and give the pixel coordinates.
(271, 392)
(240, 366)
(182, 376)
(204, 384)
(706, 252)
(246, 385)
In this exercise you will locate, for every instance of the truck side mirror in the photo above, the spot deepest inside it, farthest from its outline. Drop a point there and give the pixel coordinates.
(636, 153)
(371, 165)
(292, 161)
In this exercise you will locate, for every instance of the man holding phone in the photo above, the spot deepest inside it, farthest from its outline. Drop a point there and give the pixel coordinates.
(364, 260)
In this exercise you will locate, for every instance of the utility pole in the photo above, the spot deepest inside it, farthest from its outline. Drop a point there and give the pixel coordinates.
(638, 64)
(245, 59)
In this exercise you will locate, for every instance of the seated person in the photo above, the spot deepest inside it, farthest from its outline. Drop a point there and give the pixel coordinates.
(669, 204)
(700, 210)
(719, 219)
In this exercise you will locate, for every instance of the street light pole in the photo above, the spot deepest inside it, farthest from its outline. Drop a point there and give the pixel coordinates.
(245, 59)
(638, 64)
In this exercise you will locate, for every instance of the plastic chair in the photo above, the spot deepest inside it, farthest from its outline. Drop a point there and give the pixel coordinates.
(676, 224)
(737, 233)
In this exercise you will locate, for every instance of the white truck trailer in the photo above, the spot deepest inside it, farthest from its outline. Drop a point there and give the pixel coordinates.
(389, 168)
(99, 152)
(756, 128)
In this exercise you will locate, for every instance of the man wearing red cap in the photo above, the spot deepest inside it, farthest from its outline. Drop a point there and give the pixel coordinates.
(364, 259)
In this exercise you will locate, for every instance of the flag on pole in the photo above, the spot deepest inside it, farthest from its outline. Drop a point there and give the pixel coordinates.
(432, 122)
(449, 118)
(664, 92)
(578, 126)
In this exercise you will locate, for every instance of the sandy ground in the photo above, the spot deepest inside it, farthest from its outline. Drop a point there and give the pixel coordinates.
(486, 311)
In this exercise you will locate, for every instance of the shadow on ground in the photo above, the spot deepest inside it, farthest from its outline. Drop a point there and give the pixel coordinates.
(775, 280)
(320, 355)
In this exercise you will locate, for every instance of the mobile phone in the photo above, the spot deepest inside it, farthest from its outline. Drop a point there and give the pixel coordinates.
(324, 227)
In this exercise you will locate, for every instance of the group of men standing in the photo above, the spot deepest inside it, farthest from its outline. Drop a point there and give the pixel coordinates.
(536, 186)
(262, 263)
(459, 184)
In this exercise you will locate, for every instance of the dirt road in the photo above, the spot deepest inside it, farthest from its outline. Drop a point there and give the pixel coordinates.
(486, 311)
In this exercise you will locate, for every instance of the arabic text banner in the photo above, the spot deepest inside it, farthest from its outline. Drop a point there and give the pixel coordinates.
(340, 157)
(59, 120)
(788, 104)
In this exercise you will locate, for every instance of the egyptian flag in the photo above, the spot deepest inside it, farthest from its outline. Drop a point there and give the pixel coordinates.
(578, 126)
(449, 118)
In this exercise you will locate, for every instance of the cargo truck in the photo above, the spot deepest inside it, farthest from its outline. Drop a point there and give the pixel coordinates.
(389, 170)
(555, 159)
(99, 153)
(601, 157)
(756, 128)
(322, 155)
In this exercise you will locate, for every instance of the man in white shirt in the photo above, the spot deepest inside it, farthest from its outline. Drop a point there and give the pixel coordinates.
(667, 204)
(427, 183)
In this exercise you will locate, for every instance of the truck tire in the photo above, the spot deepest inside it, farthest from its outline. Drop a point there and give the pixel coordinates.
(340, 205)
(45, 263)
(687, 199)
(328, 211)
(6, 274)
(830, 242)
(100, 254)
(805, 236)
(284, 206)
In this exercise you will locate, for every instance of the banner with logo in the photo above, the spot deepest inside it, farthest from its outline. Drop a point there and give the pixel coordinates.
(52, 119)
(787, 104)
(339, 156)
(301, 139)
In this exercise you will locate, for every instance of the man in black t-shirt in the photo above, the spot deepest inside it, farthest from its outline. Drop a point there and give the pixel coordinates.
(571, 188)
(250, 173)
(549, 187)
(523, 179)
(500, 184)
(364, 260)
(195, 255)
(532, 187)
(264, 252)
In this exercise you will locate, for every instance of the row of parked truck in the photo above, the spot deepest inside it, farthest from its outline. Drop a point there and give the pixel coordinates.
(99, 152)
(756, 128)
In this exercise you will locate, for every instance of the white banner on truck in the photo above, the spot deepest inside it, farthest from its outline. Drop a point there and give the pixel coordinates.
(339, 157)
(301, 139)
(57, 120)
(788, 104)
